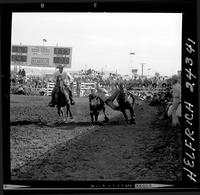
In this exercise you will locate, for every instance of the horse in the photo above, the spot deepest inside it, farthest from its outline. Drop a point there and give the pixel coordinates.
(96, 105)
(61, 100)
(126, 101)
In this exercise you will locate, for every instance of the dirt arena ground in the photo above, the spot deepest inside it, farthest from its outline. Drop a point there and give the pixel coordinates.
(45, 148)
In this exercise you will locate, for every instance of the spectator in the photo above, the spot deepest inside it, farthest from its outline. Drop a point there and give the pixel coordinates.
(176, 94)
(23, 73)
(20, 80)
(19, 72)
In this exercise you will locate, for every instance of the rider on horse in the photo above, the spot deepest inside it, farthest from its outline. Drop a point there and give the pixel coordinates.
(67, 79)
(109, 100)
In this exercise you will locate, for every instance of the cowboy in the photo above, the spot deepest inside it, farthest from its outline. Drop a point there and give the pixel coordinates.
(67, 79)
(101, 92)
(176, 94)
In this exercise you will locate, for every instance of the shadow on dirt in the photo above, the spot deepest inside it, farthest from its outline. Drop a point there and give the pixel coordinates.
(72, 124)
(60, 125)
(152, 152)
(26, 122)
(68, 124)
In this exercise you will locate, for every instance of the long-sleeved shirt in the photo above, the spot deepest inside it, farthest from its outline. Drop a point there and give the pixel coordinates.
(66, 77)
(176, 91)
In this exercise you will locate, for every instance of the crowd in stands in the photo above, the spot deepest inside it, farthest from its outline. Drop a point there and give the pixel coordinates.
(20, 80)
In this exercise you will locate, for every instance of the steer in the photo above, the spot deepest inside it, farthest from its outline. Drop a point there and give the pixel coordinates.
(96, 105)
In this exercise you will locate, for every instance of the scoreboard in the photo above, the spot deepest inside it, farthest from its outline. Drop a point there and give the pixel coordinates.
(62, 51)
(41, 56)
(61, 60)
(19, 49)
(19, 58)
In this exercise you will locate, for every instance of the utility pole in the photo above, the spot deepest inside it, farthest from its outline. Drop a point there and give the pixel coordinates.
(131, 61)
(142, 68)
(85, 69)
(43, 40)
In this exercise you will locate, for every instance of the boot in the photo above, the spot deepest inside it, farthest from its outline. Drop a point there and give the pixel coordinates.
(52, 103)
(72, 101)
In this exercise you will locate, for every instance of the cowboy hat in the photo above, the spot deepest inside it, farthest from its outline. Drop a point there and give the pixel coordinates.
(59, 66)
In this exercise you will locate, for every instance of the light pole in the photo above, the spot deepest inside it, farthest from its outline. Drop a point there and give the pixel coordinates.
(131, 54)
(142, 68)
(43, 40)
(85, 69)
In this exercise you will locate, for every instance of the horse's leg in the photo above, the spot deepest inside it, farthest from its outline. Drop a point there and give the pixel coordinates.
(63, 114)
(125, 116)
(70, 114)
(92, 117)
(106, 119)
(96, 116)
(69, 111)
(132, 114)
(58, 110)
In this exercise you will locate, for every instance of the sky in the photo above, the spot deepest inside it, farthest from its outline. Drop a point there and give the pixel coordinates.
(104, 41)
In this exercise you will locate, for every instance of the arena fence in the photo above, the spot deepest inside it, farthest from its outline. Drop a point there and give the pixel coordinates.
(50, 87)
(85, 88)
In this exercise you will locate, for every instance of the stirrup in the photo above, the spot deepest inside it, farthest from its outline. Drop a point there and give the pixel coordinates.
(72, 102)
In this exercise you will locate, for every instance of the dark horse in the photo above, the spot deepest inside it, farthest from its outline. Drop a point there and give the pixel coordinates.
(96, 105)
(61, 100)
(126, 101)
